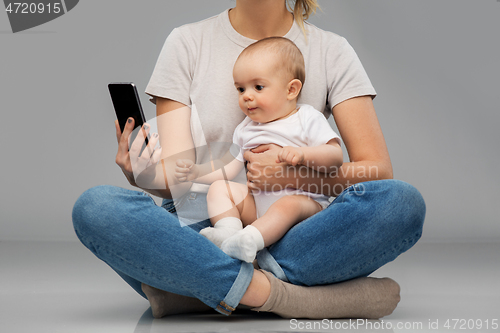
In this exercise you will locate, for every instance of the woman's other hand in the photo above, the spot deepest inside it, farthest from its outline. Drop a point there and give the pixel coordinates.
(263, 168)
(139, 168)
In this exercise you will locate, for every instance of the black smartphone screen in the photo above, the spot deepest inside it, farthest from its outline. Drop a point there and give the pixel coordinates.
(127, 104)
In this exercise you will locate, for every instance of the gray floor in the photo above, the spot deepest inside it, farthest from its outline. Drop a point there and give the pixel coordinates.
(61, 287)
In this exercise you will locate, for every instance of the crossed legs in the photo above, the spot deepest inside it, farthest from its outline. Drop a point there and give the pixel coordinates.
(380, 223)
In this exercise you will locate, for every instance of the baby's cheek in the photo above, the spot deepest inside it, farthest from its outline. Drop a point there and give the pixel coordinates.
(264, 102)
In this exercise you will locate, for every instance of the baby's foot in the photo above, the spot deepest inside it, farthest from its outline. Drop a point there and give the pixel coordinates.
(222, 230)
(217, 235)
(244, 244)
(240, 246)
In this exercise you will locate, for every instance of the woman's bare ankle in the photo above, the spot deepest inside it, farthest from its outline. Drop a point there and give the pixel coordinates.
(258, 291)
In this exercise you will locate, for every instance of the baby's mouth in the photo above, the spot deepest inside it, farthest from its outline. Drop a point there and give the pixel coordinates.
(251, 109)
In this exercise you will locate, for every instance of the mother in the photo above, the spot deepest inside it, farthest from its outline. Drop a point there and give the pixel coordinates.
(319, 268)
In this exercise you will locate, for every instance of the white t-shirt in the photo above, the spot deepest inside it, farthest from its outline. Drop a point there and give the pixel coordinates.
(196, 63)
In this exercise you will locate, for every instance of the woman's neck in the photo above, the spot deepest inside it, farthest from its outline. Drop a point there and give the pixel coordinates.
(258, 19)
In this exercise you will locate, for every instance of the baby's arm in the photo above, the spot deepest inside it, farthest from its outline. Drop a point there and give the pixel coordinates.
(225, 168)
(323, 158)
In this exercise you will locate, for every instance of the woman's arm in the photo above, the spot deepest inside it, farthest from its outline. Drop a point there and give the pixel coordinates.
(369, 158)
(358, 125)
(173, 122)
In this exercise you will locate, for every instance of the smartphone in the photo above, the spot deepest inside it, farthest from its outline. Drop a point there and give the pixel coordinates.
(127, 104)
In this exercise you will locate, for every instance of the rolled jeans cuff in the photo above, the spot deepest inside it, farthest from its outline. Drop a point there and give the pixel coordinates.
(267, 262)
(238, 289)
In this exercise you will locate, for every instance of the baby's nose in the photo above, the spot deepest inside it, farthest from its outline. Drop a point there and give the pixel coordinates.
(247, 96)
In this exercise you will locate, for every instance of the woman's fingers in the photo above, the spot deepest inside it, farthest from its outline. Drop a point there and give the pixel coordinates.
(250, 185)
(124, 137)
(150, 148)
(118, 131)
(129, 127)
(150, 155)
(155, 158)
(251, 178)
(136, 145)
(122, 158)
(129, 156)
(261, 148)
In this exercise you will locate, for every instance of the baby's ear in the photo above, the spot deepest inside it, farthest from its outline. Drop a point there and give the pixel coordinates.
(294, 88)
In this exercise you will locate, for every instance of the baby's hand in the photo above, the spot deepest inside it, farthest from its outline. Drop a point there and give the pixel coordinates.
(185, 170)
(290, 155)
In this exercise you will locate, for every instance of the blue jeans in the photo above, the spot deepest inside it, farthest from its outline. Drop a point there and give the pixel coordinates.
(365, 227)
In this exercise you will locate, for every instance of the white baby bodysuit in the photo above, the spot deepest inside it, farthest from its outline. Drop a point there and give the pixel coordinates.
(306, 128)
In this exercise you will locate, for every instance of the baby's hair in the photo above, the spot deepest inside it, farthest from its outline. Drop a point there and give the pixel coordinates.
(290, 60)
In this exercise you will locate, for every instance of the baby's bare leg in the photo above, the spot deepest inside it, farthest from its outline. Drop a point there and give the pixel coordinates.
(229, 199)
(284, 214)
(228, 204)
(266, 230)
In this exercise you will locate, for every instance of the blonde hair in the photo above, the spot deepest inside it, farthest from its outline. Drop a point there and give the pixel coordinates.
(290, 62)
(302, 9)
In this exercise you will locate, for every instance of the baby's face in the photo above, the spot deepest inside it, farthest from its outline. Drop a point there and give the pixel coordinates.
(262, 91)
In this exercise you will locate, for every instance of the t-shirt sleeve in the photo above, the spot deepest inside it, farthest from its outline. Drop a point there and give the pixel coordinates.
(172, 75)
(236, 148)
(346, 75)
(317, 129)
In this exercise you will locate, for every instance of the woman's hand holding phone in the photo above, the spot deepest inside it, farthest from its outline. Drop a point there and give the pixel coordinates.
(139, 168)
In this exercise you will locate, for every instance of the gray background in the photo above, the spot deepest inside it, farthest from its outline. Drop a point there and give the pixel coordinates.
(434, 64)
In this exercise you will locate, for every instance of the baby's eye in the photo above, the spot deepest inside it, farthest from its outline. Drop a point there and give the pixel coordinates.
(259, 87)
(240, 90)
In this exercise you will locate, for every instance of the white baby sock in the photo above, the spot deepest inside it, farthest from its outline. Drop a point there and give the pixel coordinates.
(222, 230)
(244, 244)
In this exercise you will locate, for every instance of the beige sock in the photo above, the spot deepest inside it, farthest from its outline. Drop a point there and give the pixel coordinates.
(164, 303)
(364, 297)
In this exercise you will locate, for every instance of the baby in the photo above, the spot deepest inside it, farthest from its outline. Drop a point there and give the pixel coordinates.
(268, 76)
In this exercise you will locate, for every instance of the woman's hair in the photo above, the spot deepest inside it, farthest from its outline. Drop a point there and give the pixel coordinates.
(302, 9)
